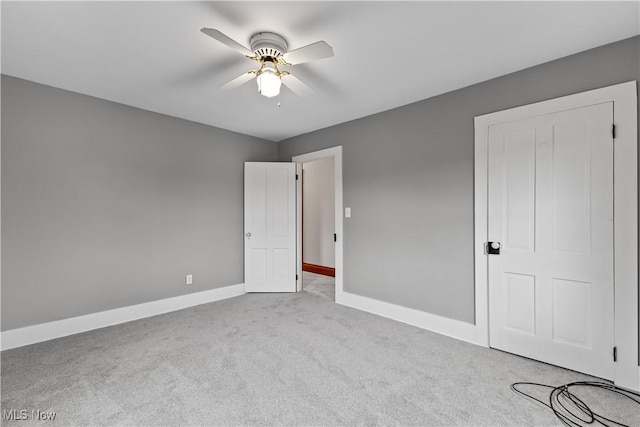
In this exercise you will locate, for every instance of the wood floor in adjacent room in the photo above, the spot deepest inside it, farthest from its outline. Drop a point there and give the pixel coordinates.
(275, 359)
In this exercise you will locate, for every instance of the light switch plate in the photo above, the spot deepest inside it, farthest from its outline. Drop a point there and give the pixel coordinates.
(347, 212)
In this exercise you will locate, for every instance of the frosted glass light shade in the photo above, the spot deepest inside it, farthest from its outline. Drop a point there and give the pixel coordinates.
(268, 83)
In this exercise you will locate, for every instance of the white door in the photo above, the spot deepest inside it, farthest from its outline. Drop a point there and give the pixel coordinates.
(270, 227)
(550, 207)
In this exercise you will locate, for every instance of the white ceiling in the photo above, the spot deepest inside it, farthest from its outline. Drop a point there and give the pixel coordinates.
(152, 55)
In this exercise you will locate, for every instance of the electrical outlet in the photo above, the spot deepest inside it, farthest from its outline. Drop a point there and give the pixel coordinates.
(189, 279)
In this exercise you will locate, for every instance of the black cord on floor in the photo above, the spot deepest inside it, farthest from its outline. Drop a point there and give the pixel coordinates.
(570, 409)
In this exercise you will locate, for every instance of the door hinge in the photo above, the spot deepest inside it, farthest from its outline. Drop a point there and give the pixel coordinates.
(613, 130)
(297, 177)
(296, 277)
(335, 237)
(615, 354)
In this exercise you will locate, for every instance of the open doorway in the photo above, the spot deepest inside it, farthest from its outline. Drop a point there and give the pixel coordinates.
(318, 227)
(320, 240)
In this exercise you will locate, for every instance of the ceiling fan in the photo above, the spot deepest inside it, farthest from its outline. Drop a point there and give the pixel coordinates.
(270, 51)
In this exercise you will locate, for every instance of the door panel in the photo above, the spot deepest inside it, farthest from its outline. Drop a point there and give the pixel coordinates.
(520, 302)
(550, 204)
(270, 227)
(571, 312)
(520, 189)
(571, 189)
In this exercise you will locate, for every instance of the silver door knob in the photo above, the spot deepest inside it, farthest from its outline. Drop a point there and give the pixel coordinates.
(248, 234)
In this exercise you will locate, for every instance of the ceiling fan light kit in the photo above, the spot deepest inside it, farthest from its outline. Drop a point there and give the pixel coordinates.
(271, 50)
(268, 78)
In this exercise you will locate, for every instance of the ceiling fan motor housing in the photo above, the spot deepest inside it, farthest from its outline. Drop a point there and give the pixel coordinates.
(268, 45)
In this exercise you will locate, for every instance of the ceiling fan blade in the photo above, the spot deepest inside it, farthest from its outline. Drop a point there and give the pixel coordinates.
(238, 81)
(317, 50)
(224, 39)
(296, 85)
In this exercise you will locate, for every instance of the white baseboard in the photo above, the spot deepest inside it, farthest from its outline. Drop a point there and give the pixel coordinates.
(431, 322)
(60, 328)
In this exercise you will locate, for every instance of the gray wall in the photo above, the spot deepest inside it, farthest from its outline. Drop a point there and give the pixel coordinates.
(408, 177)
(105, 205)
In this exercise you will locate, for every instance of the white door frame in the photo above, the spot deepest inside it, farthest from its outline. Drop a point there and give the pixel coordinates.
(336, 153)
(624, 97)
